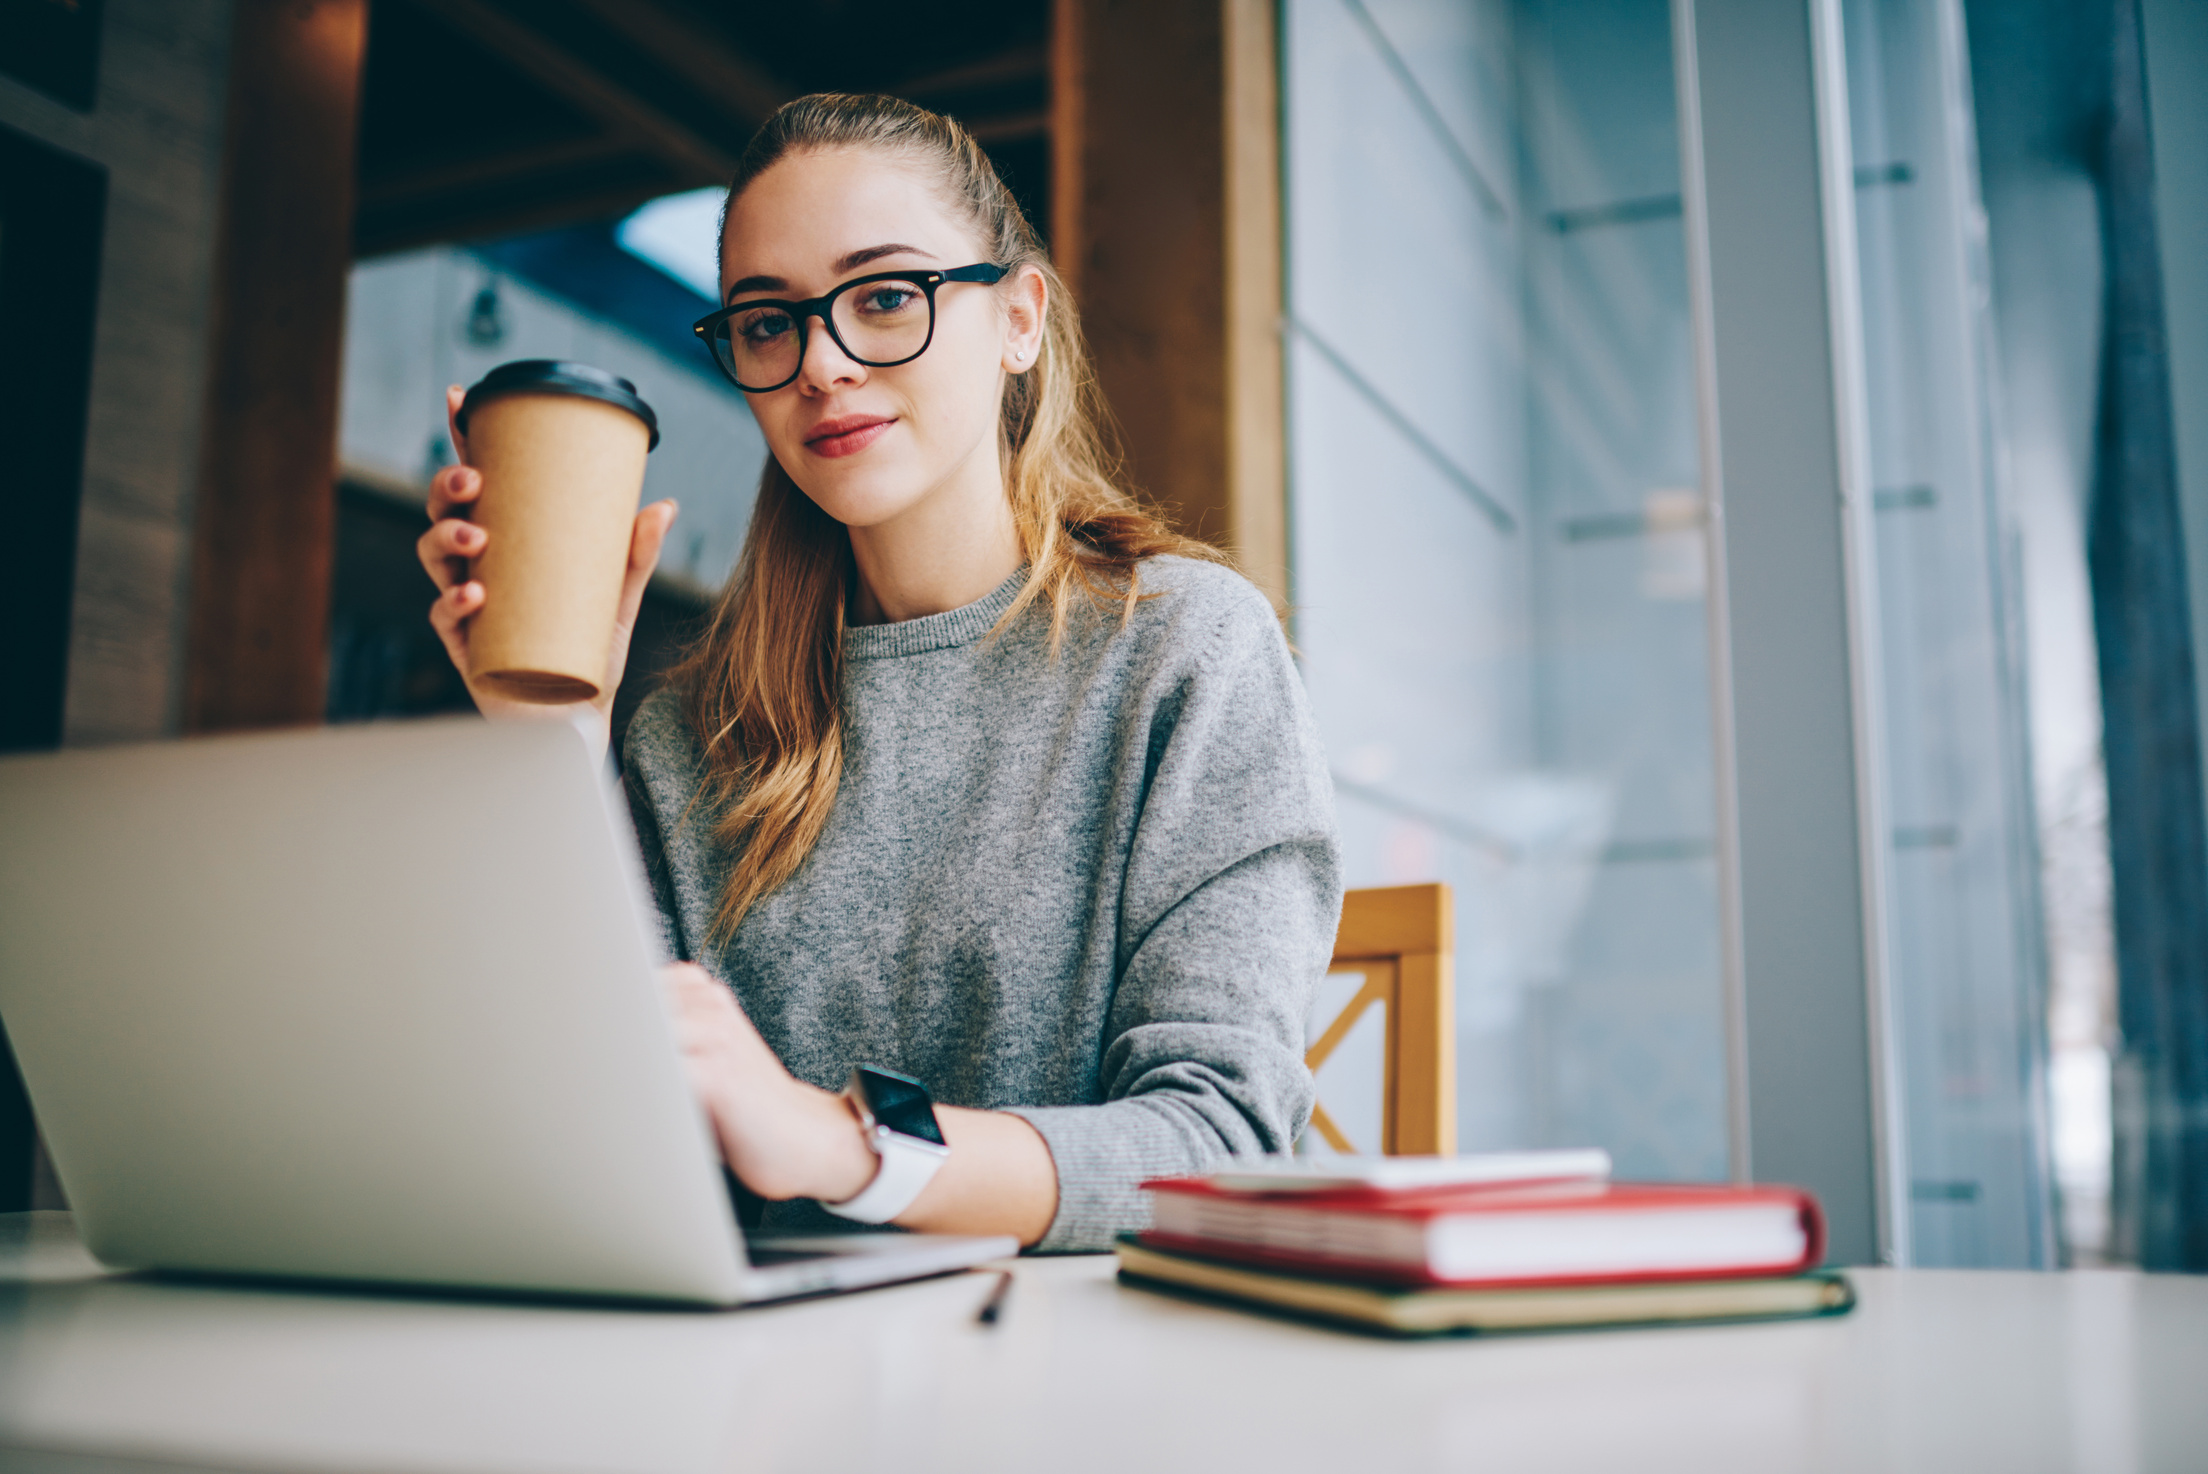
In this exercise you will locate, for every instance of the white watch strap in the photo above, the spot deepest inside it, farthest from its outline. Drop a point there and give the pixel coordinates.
(907, 1166)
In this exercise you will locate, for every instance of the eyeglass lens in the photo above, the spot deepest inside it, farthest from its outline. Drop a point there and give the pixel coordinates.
(878, 323)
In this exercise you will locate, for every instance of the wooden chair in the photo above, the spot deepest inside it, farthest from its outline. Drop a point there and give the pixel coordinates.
(1402, 940)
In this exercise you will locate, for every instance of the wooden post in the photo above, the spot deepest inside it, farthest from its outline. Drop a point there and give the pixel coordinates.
(1166, 221)
(268, 457)
(1422, 1037)
(1257, 435)
(1403, 939)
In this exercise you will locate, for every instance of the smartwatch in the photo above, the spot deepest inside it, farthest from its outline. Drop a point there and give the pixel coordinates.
(898, 1118)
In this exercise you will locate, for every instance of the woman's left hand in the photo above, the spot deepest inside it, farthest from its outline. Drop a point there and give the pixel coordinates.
(786, 1139)
(782, 1137)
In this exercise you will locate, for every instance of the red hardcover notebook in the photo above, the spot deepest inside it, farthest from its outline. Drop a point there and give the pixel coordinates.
(1548, 1234)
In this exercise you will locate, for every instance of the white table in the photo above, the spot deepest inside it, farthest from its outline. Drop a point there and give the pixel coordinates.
(1937, 1370)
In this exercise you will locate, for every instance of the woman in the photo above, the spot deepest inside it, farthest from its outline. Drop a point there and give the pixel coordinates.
(979, 773)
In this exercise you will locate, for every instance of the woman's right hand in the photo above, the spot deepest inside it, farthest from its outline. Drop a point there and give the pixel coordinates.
(448, 552)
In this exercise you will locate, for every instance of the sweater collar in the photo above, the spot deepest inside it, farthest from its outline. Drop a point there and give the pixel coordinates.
(943, 631)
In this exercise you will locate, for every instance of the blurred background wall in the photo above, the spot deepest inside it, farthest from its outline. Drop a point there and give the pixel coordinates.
(154, 136)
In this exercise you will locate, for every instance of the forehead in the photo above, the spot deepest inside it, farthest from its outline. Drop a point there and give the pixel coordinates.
(809, 209)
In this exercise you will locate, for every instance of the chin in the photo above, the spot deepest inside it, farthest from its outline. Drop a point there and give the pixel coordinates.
(863, 497)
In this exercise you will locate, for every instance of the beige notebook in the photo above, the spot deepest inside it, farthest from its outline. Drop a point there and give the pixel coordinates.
(1425, 1312)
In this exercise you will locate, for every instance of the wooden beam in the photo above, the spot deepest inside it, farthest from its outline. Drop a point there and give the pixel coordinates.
(583, 87)
(1166, 220)
(263, 517)
(1006, 127)
(486, 171)
(532, 204)
(749, 91)
(1006, 68)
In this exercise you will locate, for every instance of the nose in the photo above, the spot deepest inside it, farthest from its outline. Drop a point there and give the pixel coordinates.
(825, 365)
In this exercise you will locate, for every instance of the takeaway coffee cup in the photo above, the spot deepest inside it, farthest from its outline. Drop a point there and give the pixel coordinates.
(561, 448)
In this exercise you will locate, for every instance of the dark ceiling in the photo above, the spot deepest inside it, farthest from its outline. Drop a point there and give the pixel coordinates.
(486, 118)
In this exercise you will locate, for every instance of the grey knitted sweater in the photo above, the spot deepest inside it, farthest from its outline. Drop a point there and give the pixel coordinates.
(1096, 889)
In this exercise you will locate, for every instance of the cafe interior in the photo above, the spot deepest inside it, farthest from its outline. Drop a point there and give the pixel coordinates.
(1731, 474)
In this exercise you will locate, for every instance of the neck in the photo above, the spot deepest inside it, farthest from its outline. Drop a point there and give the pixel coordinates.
(950, 548)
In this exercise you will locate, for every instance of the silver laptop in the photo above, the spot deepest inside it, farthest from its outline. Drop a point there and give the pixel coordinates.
(373, 1004)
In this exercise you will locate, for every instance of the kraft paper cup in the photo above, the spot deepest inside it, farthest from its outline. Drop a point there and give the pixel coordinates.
(561, 447)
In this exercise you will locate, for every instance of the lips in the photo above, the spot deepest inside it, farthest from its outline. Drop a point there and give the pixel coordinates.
(846, 436)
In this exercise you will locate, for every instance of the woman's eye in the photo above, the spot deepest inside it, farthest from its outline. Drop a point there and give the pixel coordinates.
(763, 327)
(888, 298)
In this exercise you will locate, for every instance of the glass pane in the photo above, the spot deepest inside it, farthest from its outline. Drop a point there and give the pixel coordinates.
(1965, 933)
(1499, 545)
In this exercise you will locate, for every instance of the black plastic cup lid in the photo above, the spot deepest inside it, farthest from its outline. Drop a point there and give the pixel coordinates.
(553, 376)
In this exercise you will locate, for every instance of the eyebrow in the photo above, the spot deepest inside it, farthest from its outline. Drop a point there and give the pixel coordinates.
(847, 262)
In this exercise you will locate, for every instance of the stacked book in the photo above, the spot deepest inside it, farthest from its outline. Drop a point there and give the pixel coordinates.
(1517, 1241)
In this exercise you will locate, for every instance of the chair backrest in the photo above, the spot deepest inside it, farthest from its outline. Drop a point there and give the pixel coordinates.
(1402, 940)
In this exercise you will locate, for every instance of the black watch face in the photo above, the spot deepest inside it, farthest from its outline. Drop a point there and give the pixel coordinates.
(900, 1103)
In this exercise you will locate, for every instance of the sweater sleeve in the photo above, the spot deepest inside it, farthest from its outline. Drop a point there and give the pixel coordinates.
(1232, 894)
(657, 779)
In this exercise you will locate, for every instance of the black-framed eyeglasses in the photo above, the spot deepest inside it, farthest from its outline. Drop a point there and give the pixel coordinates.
(880, 320)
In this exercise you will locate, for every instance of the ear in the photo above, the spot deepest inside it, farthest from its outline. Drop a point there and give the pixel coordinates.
(1026, 296)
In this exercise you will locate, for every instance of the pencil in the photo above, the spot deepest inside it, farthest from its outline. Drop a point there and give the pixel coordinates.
(992, 1309)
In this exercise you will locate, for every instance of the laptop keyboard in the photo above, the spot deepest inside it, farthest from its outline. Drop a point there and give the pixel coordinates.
(762, 1256)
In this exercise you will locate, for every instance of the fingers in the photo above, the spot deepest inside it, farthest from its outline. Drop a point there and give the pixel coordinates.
(453, 543)
(651, 533)
(645, 542)
(702, 1009)
(455, 605)
(456, 483)
(454, 395)
(701, 999)
(449, 617)
(682, 979)
(649, 536)
(693, 990)
(447, 548)
(452, 490)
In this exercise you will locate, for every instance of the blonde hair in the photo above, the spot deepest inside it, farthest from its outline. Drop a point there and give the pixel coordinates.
(762, 687)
